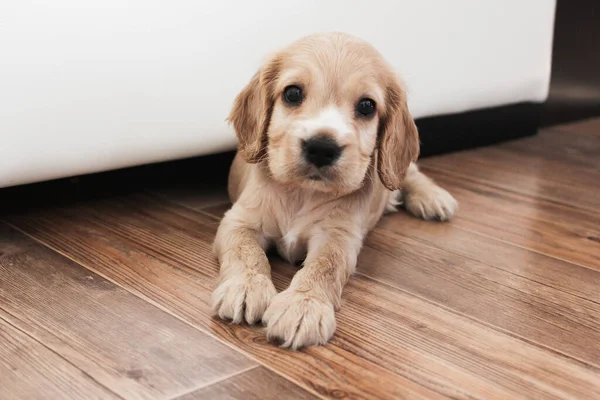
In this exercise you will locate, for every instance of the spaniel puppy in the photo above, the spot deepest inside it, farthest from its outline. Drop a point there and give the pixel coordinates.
(326, 146)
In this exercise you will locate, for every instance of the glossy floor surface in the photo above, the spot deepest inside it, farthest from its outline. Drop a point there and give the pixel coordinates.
(109, 296)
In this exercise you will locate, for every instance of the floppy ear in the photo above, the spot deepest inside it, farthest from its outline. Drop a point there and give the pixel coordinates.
(398, 139)
(251, 113)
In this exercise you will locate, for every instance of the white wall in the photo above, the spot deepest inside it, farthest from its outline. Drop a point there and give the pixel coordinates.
(87, 86)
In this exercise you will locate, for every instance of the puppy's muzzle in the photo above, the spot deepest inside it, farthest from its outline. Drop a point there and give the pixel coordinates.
(321, 151)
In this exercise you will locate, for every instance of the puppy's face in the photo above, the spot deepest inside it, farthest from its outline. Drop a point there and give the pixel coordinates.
(317, 112)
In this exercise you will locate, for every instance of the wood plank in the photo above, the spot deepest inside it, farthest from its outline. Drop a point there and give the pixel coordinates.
(28, 370)
(535, 267)
(540, 310)
(547, 227)
(588, 127)
(560, 275)
(386, 338)
(515, 366)
(119, 340)
(217, 211)
(577, 149)
(179, 272)
(546, 178)
(533, 311)
(196, 195)
(256, 384)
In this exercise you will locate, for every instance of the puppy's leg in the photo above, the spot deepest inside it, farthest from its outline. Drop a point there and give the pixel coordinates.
(245, 288)
(423, 198)
(303, 315)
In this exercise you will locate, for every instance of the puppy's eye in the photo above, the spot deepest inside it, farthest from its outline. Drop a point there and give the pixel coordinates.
(365, 107)
(292, 95)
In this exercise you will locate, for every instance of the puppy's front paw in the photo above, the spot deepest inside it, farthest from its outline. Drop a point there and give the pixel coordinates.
(431, 203)
(243, 297)
(299, 319)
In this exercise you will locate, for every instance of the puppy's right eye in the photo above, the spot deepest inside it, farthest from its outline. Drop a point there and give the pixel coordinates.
(292, 95)
(365, 108)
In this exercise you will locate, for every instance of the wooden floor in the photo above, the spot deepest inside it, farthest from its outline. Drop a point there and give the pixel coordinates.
(108, 297)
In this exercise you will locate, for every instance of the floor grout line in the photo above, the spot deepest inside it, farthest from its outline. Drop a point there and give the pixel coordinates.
(170, 312)
(458, 312)
(429, 243)
(499, 186)
(503, 241)
(85, 373)
(479, 321)
(183, 314)
(530, 249)
(214, 382)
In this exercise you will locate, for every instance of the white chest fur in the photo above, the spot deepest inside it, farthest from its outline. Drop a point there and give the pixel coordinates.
(289, 227)
(290, 218)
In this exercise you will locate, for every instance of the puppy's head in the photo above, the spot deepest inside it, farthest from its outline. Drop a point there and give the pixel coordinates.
(321, 111)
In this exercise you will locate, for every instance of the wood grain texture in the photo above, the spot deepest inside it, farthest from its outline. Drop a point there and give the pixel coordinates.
(557, 305)
(256, 384)
(542, 193)
(165, 256)
(386, 337)
(511, 303)
(197, 196)
(29, 370)
(551, 179)
(122, 342)
(577, 148)
(491, 254)
(560, 165)
(501, 303)
(588, 127)
(561, 231)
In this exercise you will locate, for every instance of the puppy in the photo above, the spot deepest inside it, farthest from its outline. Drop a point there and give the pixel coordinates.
(326, 142)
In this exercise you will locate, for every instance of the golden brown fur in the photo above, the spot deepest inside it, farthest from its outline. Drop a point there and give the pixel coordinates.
(321, 216)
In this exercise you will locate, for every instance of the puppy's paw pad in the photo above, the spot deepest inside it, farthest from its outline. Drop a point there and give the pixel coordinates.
(242, 297)
(298, 320)
(434, 203)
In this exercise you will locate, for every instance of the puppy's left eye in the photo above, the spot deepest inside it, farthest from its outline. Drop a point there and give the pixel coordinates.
(293, 95)
(365, 107)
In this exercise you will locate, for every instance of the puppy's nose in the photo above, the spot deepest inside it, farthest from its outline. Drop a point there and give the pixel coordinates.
(321, 151)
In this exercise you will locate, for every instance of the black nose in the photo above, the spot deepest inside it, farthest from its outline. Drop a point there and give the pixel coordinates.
(321, 151)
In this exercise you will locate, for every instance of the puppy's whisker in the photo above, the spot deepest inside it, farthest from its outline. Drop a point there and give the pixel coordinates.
(262, 158)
